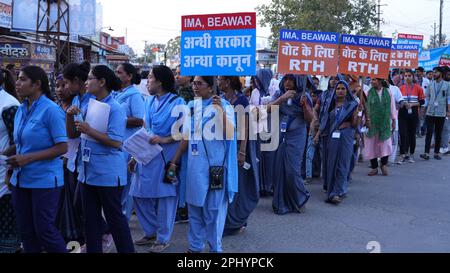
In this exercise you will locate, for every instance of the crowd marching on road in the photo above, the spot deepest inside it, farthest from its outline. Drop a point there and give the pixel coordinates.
(66, 173)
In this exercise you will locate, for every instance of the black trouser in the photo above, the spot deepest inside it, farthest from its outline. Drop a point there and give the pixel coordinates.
(436, 125)
(374, 162)
(407, 128)
(95, 199)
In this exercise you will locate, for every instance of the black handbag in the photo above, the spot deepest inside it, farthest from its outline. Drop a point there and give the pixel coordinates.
(216, 173)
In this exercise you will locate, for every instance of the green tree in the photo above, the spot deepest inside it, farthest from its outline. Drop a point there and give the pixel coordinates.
(434, 41)
(149, 54)
(173, 47)
(343, 16)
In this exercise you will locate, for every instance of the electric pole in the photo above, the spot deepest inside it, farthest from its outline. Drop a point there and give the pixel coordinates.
(440, 22)
(434, 36)
(379, 20)
(145, 52)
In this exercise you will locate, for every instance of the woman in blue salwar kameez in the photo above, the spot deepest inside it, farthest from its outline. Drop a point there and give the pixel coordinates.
(206, 148)
(156, 201)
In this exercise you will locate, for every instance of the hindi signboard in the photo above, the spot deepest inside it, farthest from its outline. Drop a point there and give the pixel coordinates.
(14, 50)
(308, 52)
(218, 44)
(410, 39)
(365, 56)
(405, 56)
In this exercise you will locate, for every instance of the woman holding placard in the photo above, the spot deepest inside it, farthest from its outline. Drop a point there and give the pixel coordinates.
(102, 184)
(289, 192)
(209, 176)
(155, 198)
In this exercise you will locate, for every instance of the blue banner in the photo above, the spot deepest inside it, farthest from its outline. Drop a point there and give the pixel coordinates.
(369, 41)
(218, 53)
(404, 47)
(429, 59)
(309, 36)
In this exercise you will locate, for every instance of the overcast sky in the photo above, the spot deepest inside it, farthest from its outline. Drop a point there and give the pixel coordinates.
(160, 20)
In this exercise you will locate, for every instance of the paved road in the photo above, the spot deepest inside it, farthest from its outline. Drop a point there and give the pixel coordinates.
(408, 211)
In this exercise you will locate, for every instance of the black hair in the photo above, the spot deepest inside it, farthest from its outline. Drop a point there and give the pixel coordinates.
(315, 78)
(144, 74)
(412, 73)
(111, 80)
(209, 80)
(421, 69)
(35, 73)
(235, 82)
(74, 70)
(429, 71)
(164, 75)
(7, 79)
(384, 83)
(10, 66)
(390, 81)
(131, 70)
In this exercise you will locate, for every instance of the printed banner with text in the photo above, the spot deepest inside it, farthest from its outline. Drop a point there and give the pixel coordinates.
(218, 44)
(410, 39)
(405, 56)
(365, 56)
(308, 52)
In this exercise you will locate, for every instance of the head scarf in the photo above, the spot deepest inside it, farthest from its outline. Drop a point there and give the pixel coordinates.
(349, 106)
(262, 80)
(300, 81)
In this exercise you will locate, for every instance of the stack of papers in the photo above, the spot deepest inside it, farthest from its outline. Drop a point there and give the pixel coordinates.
(138, 145)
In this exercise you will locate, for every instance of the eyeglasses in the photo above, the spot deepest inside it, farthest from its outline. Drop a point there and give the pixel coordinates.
(198, 83)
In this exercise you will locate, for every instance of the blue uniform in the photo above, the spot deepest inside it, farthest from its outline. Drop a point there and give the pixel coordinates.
(130, 99)
(106, 167)
(82, 104)
(207, 208)
(156, 201)
(37, 129)
(103, 178)
(132, 102)
(37, 185)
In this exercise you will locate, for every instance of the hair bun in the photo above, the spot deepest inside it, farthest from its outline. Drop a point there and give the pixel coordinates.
(85, 66)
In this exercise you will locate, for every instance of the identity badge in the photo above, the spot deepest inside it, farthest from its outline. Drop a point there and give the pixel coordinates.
(283, 127)
(336, 135)
(86, 156)
(194, 148)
